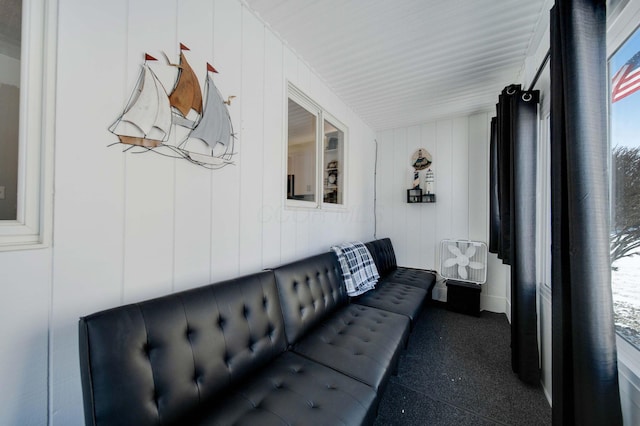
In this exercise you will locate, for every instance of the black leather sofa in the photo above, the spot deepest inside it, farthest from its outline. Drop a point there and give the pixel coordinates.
(284, 346)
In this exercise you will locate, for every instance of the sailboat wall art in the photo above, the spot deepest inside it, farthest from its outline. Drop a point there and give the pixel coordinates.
(187, 123)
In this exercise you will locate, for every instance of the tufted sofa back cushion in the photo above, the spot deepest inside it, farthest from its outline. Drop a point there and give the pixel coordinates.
(383, 255)
(153, 362)
(310, 289)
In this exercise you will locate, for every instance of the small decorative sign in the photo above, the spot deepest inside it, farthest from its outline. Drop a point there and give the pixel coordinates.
(428, 181)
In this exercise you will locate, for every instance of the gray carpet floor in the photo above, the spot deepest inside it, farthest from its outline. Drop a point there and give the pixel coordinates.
(457, 371)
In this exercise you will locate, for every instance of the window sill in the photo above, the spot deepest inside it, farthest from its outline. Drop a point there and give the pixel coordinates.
(300, 204)
(629, 357)
(17, 236)
(312, 205)
(629, 380)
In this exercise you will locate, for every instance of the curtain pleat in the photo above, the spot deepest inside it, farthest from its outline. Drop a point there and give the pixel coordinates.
(494, 205)
(585, 376)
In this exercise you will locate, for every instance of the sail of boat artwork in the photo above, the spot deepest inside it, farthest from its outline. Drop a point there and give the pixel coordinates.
(186, 123)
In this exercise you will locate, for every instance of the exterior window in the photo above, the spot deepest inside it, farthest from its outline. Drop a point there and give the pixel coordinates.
(316, 162)
(27, 80)
(624, 68)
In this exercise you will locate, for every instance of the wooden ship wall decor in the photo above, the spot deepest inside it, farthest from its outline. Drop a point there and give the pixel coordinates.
(187, 123)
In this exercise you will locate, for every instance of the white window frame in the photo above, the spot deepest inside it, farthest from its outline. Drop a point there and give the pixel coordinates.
(33, 224)
(321, 115)
(543, 215)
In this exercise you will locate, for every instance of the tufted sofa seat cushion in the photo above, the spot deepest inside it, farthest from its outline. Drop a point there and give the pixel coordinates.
(384, 256)
(411, 276)
(156, 361)
(294, 390)
(357, 340)
(394, 297)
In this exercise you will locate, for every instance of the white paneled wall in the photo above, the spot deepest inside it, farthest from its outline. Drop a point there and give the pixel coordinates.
(460, 151)
(25, 281)
(194, 188)
(133, 226)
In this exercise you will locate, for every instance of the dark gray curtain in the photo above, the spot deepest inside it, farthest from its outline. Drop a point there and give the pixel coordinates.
(512, 218)
(504, 145)
(585, 376)
(524, 322)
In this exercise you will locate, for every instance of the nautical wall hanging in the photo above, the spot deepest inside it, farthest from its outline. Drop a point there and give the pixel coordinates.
(179, 124)
(421, 160)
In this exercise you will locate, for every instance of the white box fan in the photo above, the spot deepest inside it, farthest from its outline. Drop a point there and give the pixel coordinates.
(463, 260)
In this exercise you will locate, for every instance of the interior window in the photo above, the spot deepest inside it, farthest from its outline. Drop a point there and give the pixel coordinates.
(10, 42)
(316, 147)
(624, 69)
(334, 162)
(301, 153)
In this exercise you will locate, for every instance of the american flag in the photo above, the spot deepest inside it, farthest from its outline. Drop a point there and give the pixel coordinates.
(627, 79)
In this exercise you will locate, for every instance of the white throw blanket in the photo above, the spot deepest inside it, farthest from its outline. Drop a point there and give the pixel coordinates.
(358, 268)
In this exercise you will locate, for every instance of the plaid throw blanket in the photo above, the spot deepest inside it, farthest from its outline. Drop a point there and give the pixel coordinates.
(358, 268)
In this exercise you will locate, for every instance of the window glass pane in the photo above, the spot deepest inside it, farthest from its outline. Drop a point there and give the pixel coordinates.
(301, 153)
(333, 164)
(625, 188)
(10, 31)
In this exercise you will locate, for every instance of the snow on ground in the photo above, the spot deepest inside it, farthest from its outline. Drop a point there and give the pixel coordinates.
(625, 286)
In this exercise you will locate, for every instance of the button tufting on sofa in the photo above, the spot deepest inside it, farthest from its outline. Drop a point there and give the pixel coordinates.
(224, 353)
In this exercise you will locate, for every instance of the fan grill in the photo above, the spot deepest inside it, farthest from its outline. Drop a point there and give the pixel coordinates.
(463, 260)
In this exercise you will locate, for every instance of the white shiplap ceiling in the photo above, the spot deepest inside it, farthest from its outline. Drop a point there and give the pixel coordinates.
(403, 62)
